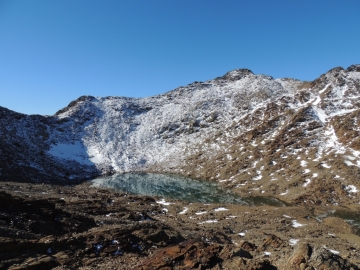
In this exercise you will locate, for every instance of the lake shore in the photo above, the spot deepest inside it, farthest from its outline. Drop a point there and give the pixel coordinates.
(81, 227)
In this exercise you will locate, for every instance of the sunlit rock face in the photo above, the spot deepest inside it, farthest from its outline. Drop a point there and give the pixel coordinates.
(252, 133)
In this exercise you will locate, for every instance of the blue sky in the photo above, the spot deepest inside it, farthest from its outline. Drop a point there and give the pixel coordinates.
(52, 52)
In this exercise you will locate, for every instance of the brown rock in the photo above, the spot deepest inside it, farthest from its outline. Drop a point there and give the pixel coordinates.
(323, 259)
(248, 246)
(259, 265)
(272, 241)
(193, 254)
(300, 255)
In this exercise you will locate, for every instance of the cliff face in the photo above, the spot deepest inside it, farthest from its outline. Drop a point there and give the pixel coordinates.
(252, 133)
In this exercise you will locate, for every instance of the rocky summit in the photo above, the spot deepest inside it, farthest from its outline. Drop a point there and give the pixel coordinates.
(256, 135)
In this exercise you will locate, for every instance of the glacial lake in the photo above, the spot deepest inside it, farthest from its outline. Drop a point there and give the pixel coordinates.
(178, 187)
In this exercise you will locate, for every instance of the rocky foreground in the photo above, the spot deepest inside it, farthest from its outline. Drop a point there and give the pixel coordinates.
(81, 227)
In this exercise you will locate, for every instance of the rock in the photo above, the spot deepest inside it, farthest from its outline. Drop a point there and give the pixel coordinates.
(44, 262)
(307, 257)
(196, 254)
(323, 259)
(191, 254)
(243, 264)
(247, 246)
(300, 256)
(272, 241)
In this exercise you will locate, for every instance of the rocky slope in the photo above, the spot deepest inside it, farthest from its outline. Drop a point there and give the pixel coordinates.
(80, 227)
(298, 141)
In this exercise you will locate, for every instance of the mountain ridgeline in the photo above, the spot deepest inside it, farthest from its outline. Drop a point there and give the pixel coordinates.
(256, 135)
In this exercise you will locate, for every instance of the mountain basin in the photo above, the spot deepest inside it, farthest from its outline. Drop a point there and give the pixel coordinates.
(179, 188)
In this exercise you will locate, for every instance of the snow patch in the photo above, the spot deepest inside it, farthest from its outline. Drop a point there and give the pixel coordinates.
(297, 224)
(321, 115)
(184, 211)
(209, 221)
(94, 155)
(256, 178)
(163, 202)
(293, 242)
(75, 151)
(351, 188)
(221, 209)
(307, 182)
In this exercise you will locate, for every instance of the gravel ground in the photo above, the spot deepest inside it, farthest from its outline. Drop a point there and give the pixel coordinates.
(82, 227)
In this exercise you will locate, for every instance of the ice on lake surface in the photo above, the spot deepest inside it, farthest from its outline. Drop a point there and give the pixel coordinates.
(178, 187)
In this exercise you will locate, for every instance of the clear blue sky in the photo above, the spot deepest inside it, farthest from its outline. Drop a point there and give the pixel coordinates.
(52, 52)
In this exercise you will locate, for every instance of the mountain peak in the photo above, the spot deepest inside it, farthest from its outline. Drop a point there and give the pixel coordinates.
(74, 102)
(236, 74)
(354, 68)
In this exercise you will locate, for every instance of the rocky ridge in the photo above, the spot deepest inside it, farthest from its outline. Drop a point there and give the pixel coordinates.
(298, 141)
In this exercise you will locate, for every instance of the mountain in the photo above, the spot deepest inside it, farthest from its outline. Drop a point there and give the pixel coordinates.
(295, 140)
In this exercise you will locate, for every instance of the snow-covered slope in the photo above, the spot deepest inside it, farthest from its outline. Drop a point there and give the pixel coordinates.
(252, 133)
(132, 134)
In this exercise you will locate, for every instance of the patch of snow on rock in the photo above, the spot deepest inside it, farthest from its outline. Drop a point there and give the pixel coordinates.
(307, 182)
(71, 151)
(221, 209)
(303, 163)
(258, 177)
(209, 221)
(297, 224)
(293, 242)
(351, 188)
(163, 202)
(184, 211)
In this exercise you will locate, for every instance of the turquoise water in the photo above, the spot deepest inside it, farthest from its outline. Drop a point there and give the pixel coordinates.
(178, 187)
